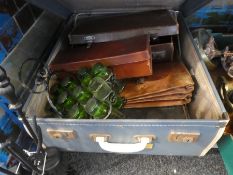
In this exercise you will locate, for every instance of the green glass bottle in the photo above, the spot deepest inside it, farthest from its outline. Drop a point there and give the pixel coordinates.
(77, 112)
(65, 100)
(117, 85)
(118, 102)
(101, 110)
(100, 89)
(84, 76)
(96, 109)
(99, 70)
(68, 82)
(80, 94)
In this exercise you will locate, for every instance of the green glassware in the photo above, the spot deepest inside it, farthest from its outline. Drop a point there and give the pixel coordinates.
(96, 109)
(65, 100)
(55, 90)
(118, 102)
(102, 110)
(117, 85)
(68, 82)
(84, 76)
(77, 112)
(100, 89)
(99, 70)
(80, 94)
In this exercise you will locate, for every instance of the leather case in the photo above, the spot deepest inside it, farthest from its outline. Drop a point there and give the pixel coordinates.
(158, 103)
(162, 98)
(128, 58)
(167, 77)
(171, 92)
(116, 27)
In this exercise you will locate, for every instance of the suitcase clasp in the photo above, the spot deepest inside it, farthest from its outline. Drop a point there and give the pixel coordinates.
(62, 134)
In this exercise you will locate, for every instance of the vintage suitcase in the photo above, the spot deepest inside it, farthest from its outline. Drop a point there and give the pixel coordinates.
(185, 130)
(119, 55)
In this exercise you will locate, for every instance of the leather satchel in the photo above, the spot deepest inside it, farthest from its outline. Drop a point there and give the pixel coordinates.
(166, 77)
(170, 85)
(158, 103)
(162, 98)
(171, 92)
(128, 58)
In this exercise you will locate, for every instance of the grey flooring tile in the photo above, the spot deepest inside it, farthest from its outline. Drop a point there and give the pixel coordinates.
(115, 164)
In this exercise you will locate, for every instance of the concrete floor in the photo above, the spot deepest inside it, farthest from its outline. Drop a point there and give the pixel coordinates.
(113, 164)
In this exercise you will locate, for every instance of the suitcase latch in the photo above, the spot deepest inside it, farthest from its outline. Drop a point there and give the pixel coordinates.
(183, 137)
(62, 134)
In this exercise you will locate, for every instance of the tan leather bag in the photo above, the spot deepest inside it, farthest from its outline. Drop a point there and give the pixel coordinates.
(162, 98)
(171, 92)
(168, 78)
(158, 103)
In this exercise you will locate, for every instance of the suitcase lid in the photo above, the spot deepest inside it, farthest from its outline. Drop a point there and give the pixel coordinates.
(65, 8)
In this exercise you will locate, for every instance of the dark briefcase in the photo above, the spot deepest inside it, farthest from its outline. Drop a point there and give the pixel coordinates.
(128, 58)
(109, 28)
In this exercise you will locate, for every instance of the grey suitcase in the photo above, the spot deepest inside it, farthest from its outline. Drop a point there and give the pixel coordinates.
(188, 130)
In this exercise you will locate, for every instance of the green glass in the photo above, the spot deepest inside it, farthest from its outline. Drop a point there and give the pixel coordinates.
(84, 76)
(99, 70)
(80, 94)
(65, 100)
(100, 110)
(117, 85)
(96, 109)
(118, 102)
(68, 82)
(77, 112)
(100, 89)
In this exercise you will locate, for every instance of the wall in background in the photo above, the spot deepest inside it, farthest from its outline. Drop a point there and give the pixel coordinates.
(16, 17)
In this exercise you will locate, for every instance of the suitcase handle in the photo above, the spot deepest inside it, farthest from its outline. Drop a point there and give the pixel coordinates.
(123, 147)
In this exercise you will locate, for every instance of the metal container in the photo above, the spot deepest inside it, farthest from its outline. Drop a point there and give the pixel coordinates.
(189, 130)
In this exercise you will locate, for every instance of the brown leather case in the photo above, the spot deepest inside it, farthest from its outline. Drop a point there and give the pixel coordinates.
(166, 77)
(171, 92)
(162, 98)
(158, 103)
(128, 58)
